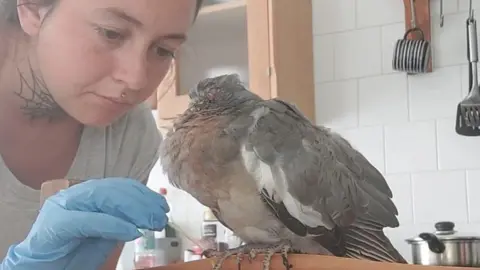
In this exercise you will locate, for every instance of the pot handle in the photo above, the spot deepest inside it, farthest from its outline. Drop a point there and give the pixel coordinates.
(434, 244)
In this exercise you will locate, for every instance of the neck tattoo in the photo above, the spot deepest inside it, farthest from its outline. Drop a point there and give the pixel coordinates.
(39, 102)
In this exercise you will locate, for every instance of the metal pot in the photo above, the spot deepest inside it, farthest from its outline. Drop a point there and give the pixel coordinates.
(445, 247)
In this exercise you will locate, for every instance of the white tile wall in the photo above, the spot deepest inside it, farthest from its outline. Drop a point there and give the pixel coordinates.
(403, 124)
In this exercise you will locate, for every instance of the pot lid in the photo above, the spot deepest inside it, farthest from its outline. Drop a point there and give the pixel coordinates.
(445, 231)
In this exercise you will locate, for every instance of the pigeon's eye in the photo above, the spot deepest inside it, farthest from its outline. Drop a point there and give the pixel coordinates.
(211, 96)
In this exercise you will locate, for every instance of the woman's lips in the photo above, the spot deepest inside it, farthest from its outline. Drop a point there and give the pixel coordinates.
(113, 101)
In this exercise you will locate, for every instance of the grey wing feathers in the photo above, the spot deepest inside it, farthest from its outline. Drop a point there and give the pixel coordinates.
(216, 213)
(324, 176)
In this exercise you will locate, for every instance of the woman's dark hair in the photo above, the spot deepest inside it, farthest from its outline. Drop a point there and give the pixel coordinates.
(8, 9)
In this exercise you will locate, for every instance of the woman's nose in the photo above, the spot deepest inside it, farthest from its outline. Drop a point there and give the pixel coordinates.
(132, 70)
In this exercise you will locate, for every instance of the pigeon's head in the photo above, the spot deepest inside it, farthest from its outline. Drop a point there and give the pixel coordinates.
(223, 90)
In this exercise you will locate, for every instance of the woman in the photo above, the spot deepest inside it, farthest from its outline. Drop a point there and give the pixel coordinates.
(73, 77)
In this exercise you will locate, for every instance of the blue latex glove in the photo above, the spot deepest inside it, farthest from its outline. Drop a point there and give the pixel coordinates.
(78, 228)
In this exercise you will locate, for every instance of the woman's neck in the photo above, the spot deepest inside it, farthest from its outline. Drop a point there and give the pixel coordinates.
(38, 141)
(25, 101)
(21, 82)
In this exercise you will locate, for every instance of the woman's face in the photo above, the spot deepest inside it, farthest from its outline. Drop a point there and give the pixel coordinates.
(90, 53)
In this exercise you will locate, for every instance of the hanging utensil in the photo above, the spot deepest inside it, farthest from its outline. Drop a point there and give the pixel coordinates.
(441, 13)
(468, 110)
(412, 55)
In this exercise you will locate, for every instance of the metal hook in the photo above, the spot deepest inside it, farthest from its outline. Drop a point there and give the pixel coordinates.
(470, 10)
(441, 13)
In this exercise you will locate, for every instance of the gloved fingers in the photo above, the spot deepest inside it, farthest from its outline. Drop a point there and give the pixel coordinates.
(127, 187)
(123, 198)
(72, 225)
(92, 254)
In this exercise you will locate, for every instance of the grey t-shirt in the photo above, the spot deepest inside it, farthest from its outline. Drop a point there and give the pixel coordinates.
(127, 148)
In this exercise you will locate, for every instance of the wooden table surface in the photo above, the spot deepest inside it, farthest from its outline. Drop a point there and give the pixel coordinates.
(303, 262)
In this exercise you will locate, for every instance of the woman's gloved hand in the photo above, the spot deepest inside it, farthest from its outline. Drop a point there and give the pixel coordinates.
(78, 228)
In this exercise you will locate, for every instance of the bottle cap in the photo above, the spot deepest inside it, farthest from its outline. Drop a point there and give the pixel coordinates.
(197, 250)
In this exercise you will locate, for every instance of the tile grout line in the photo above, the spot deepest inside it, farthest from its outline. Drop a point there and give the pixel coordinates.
(412, 198)
(467, 196)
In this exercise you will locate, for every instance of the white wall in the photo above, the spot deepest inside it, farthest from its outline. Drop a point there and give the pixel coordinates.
(403, 125)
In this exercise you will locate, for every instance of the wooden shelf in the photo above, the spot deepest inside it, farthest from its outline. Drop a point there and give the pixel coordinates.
(303, 262)
(223, 7)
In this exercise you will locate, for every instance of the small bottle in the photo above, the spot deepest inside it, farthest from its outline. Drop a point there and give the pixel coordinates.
(145, 255)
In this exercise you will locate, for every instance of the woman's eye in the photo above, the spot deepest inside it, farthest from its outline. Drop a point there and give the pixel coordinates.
(164, 52)
(110, 34)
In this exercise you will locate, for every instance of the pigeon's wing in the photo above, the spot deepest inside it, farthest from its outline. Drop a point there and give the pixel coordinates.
(312, 178)
(216, 213)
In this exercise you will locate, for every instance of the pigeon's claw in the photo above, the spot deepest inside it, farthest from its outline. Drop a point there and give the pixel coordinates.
(223, 255)
(252, 250)
(210, 253)
(269, 250)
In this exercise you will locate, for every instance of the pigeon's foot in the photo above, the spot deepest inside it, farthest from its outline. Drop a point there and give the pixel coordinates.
(252, 250)
(222, 256)
(269, 250)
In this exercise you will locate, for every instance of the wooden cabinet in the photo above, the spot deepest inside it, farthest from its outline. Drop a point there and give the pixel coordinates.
(268, 42)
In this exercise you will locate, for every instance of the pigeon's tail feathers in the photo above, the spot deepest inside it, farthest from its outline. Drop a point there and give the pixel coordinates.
(366, 240)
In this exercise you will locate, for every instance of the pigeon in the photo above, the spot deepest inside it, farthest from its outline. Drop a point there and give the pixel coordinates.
(281, 183)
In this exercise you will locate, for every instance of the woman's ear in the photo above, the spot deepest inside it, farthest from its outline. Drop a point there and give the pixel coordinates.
(30, 15)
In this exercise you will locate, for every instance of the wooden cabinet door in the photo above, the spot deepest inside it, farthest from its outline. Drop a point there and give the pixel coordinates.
(217, 44)
(269, 42)
(291, 53)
